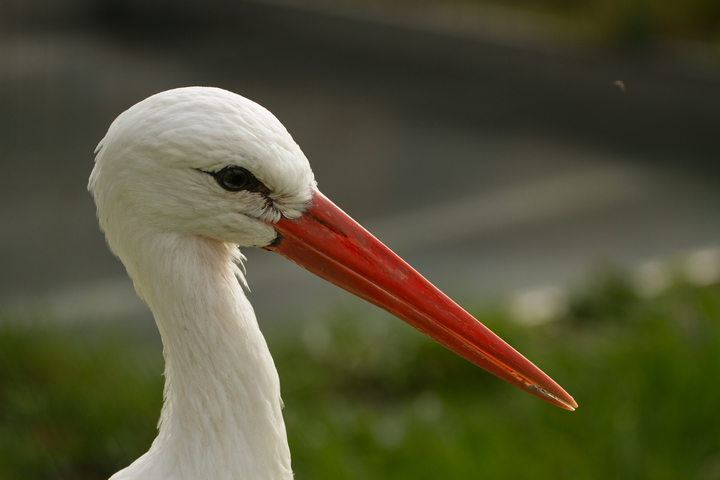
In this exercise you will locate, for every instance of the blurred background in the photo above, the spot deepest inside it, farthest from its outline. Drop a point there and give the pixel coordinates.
(506, 149)
(492, 146)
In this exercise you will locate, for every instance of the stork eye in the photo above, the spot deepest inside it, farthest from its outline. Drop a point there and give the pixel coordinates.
(234, 179)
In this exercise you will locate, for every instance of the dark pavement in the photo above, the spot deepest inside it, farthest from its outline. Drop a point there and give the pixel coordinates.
(490, 167)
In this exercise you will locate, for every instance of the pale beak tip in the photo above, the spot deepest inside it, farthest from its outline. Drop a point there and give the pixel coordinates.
(567, 402)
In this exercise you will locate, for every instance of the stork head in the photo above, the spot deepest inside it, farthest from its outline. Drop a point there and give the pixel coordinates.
(200, 161)
(207, 162)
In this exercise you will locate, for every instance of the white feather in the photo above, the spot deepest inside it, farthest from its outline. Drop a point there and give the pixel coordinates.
(177, 232)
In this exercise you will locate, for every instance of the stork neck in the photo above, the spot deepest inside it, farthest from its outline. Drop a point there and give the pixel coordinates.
(222, 412)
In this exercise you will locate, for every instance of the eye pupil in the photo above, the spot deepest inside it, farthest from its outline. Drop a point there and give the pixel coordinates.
(234, 179)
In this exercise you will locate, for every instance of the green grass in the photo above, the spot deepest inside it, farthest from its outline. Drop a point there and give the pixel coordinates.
(632, 22)
(619, 24)
(368, 398)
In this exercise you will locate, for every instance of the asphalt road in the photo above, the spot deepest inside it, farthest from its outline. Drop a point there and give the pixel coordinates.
(490, 167)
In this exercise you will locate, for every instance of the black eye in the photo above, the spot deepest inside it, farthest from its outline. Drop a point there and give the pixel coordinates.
(235, 179)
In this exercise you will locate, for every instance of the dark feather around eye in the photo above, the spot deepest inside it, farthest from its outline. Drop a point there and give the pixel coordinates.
(234, 179)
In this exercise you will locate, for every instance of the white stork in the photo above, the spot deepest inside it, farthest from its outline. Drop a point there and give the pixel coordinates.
(180, 181)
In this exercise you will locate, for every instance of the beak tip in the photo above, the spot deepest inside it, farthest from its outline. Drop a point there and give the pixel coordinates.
(563, 401)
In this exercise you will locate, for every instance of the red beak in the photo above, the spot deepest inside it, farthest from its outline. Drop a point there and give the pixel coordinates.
(330, 244)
